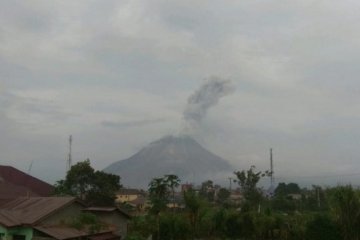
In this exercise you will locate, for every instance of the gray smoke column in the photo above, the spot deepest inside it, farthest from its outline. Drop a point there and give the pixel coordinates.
(205, 97)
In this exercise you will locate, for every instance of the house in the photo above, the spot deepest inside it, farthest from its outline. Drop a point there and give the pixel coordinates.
(133, 197)
(115, 218)
(128, 194)
(15, 183)
(53, 218)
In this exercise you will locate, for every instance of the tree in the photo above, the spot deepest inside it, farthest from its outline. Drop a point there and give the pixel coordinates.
(322, 228)
(159, 194)
(192, 204)
(207, 190)
(88, 222)
(79, 179)
(248, 181)
(104, 188)
(174, 227)
(95, 188)
(285, 189)
(282, 199)
(346, 207)
(172, 182)
(223, 195)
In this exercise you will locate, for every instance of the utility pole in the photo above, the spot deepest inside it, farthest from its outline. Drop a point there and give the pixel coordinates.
(318, 196)
(271, 169)
(69, 163)
(230, 181)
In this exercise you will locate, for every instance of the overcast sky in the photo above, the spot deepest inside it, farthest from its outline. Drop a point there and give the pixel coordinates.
(117, 75)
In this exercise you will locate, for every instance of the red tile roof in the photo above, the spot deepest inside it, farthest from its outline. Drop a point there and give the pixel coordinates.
(14, 176)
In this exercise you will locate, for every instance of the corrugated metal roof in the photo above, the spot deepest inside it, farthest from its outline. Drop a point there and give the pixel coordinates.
(4, 201)
(30, 210)
(11, 191)
(100, 209)
(12, 175)
(104, 236)
(7, 219)
(108, 209)
(61, 232)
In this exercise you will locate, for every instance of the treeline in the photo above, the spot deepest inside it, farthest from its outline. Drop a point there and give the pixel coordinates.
(290, 213)
(210, 213)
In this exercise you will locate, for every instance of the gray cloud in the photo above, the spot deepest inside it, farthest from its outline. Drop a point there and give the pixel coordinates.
(73, 67)
(136, 123)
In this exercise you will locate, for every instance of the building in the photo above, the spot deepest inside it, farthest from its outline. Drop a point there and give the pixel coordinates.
(15, 183)
(115, 218)
(35, 218)
(132, 197)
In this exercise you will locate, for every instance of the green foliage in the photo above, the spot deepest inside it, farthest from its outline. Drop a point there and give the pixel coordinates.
(94, 187)
(61, 189)
(103, 189)
(248, 181)
(284, 189)
(172, 182)
(346, 208)
(233, 226)
(207, 190)
(174, 227)
(322, 227)
(160, 189)
(87, 221)
(159, 194)
(193, 204)
(223, 195)
(332, 213)
(284, 204)
(239, 225)
(79, 179)
(141, 227)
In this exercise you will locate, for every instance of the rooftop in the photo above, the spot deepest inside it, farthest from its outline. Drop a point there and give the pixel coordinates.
(28, 211)
(14, 177)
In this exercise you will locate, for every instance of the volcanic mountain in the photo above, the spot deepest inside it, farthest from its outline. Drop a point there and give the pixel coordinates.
(182, 156)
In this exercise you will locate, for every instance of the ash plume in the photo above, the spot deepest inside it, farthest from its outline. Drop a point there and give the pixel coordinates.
(207, 96)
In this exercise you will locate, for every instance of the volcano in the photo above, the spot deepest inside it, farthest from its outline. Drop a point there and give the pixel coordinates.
(182, 156)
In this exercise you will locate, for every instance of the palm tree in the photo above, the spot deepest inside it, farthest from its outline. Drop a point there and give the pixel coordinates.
(193, 205)
(158, 190)
(172, 181)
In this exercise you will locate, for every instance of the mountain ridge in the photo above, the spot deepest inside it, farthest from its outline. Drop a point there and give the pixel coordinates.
(179, 155)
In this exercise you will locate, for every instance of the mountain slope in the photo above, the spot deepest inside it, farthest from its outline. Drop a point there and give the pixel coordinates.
(182, 156)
